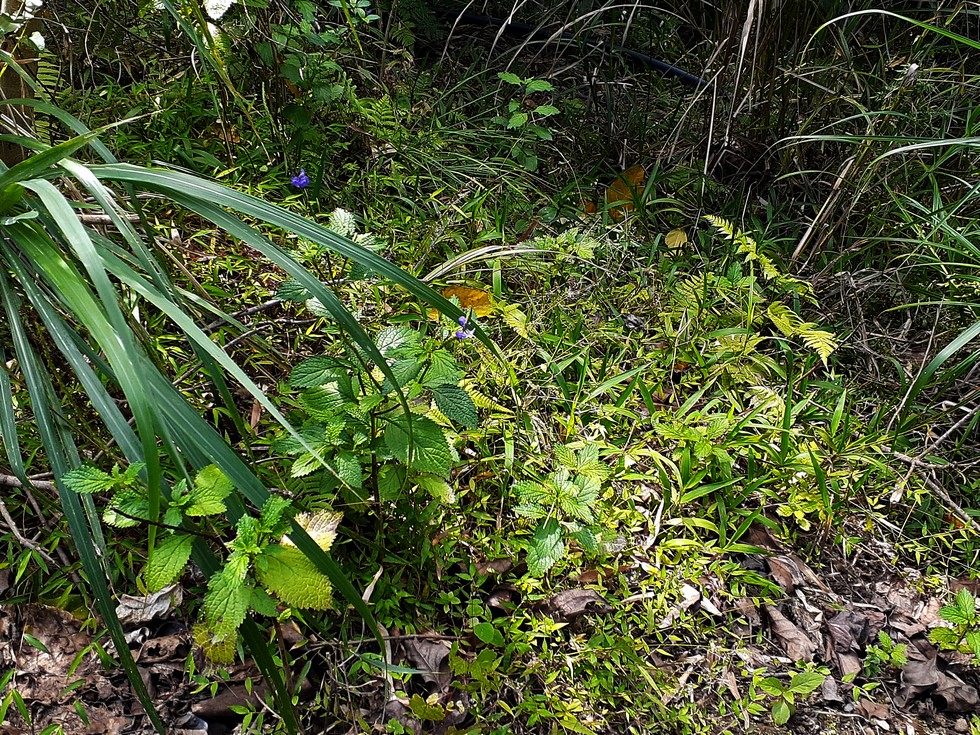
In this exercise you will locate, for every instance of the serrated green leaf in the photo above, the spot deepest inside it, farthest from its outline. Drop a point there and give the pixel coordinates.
(565, 456)
(456, 405)
(955, 615)
(128, 508)
(272, 512)
(397, 341)
(87, 480)
(293, 578)
(967, 603)
(317, 371)
(324, 402)
(348, 468)
(321, 527)
(437, 487)
(587, 539)
(405, 370)
(211, 487)
(546, 548)
(426, 450)
(531, 510)
(226, 603)
(391, 480)
(538, 85)
(944, 637)
(972, 640)
(546, 110)
(509, 77)
(291, 290)
(167, 561)
(263, 603)
(442, 369)
(489, 634)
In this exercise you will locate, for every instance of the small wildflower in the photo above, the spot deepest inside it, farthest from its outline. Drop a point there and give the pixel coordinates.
(301, 180)
(465, 333)
(462, 321)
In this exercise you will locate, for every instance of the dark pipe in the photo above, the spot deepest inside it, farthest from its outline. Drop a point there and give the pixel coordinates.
(529, 31)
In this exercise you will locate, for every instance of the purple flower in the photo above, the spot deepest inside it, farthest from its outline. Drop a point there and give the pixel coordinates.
(301, 180)
(465, 333)
(462, 321)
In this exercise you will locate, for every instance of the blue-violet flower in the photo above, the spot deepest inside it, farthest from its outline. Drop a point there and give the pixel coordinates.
(301, 180)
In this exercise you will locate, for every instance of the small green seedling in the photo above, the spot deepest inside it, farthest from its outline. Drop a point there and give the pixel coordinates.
(886, 654)
(785, 694)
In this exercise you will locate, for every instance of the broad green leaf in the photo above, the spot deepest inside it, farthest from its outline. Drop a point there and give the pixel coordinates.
(538, 85)
(292, 290)
(323, 401)
(291, 577)
(944, 637)
(509, 77)
(127, 509)
(272, 512)
(391, 480)
(211, 487)
(88, 479)
(425, 711)
(489, 634)
(546, 548)
(437, 487)
(226, 602)
(781, 712)
(967, 603)
(263, 603)
(442, 369)
(404, 370)
(397, 340)
(321, 526)
(955, 615)
(167, 561)
(456, 405)
(517, 120)
(546, 110)
(806, 682)
(425, 450)
(348, 468)
(317, 371)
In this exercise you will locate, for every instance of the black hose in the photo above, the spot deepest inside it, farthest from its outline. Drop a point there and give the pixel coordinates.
(527, 30)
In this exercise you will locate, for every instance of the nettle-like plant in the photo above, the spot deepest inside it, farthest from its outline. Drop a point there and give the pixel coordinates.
(964, 619)
(564, 504)
(359, 441)
(262, 559)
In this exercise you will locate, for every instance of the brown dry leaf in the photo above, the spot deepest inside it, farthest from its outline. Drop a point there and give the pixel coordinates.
(749, 611)
(494, 567)
(830, 691)
(849, 633)
(797, 644)
(785, 573)
(872, 710)
(431, 656)
(623, 191)
(570, 604)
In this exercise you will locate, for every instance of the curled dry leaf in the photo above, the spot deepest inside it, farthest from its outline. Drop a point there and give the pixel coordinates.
(797, 644)
(570, 604)
(431, 656)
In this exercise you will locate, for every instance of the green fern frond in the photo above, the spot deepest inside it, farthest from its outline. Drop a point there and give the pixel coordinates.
(483, 401)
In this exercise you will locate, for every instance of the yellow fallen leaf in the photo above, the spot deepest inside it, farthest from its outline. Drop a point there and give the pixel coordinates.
(676, 238)
(470, 299)
(625, 190)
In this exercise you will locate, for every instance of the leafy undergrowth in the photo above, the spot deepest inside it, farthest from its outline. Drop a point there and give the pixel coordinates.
(636, 487)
